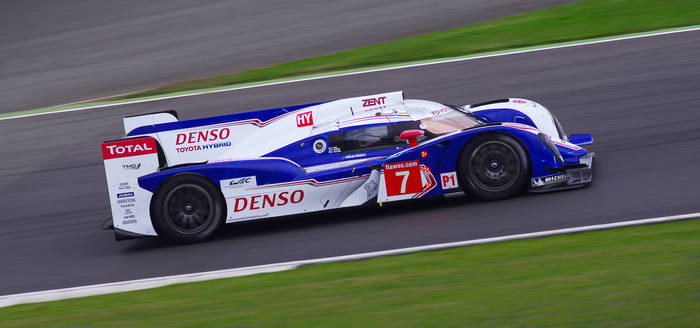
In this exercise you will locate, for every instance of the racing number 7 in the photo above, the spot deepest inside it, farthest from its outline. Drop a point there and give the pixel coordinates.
(402, 178)
(404, 175)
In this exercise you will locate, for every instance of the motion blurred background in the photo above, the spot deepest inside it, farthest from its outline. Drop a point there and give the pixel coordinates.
(58, 52)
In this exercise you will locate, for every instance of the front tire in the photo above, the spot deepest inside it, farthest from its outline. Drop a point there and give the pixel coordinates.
(494, 166)
(187, 208)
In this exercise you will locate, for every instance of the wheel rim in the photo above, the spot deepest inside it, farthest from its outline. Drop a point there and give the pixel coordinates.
(188, 209)
(494, 165)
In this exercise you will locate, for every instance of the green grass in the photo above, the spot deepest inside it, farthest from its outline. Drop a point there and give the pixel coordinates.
(646, 276)
(574, 21)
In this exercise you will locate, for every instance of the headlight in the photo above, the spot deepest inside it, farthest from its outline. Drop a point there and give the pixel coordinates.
(548, 142)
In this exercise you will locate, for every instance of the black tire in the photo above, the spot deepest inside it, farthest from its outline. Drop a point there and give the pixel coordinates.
(187, 208)
(494, 166)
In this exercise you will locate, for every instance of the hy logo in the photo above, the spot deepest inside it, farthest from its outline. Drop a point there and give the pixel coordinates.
(305, 119)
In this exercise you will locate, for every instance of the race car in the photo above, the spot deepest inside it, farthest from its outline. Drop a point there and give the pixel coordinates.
(183, 180)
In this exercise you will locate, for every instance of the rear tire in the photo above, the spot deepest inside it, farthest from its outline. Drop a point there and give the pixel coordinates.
(494, 166)
(187, 208)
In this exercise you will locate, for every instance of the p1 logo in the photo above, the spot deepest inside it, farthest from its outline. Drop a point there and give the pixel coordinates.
(449, 180)
(402, 178)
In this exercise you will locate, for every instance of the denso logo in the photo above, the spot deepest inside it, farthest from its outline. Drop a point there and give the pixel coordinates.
(268, 200)
(203, 136)
(305, 119)
(373, 101)
(126, 148)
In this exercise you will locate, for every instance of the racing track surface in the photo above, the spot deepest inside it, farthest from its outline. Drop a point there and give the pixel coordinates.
(70, 51)
(638, 97)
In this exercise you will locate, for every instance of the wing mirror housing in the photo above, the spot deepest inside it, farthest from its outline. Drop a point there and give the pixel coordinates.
(412, 136)
(581, 139)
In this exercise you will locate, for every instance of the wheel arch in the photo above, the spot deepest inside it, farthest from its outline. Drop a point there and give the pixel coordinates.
(493, 135)
(178, 175)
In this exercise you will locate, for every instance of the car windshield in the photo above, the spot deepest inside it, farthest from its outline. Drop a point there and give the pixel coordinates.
(447, 122)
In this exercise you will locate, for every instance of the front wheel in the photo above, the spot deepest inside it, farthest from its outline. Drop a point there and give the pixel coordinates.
(494, 167)
(187, 208)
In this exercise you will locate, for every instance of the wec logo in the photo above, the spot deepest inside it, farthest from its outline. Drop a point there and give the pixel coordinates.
(305, 119)
(373, 101)
(239, 182)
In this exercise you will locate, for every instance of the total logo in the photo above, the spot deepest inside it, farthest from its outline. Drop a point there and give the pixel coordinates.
(268, 200)
(305, 119)
(127, 148)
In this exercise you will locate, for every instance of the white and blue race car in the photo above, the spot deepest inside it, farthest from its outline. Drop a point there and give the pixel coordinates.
(183, 180)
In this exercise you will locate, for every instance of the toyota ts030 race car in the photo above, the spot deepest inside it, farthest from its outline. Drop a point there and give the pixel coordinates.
(184, 179)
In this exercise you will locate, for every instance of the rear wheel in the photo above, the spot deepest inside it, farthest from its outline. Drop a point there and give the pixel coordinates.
(187, 208)
(493, 167)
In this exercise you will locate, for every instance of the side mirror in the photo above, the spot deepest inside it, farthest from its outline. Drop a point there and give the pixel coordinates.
(581, 139)
(412, 136)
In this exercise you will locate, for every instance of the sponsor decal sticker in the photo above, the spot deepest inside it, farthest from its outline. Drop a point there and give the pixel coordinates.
(132, 166)
(358, 155)
(440, 111)
(124, 186)
(449, 180)
(128, 148)
(264, 201)
(126, 200)
(203, 136)
(402, 178)
(519, 101)
(128, 221)
(373, 101)
(305, 119)
(125, 194)
(319, 146)
(552, 179)
(333, 149)
(239, 182)
(202, 140)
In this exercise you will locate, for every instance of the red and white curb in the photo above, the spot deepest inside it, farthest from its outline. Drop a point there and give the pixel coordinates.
(131, 285)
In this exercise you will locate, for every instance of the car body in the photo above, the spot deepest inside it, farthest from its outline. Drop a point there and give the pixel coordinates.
(184, 179)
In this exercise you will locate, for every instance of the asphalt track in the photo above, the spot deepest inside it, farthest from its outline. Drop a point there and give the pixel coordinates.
(68, 51)
(638, 97)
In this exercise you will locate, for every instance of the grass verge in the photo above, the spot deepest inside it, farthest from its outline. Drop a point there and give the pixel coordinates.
(647, 276)
(574, 21)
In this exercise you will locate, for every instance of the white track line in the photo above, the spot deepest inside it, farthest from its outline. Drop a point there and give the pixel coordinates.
(437, 62)
(124, 286)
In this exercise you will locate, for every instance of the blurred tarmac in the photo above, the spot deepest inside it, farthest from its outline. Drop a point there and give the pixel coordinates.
(57, 52)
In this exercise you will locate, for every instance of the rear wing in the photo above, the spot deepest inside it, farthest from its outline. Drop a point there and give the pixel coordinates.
(136, 121)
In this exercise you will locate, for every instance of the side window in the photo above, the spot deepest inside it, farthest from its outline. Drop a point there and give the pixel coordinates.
(363, 139)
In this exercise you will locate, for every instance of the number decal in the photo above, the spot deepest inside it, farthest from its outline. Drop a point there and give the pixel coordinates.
(402, 178)
(405, 175)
